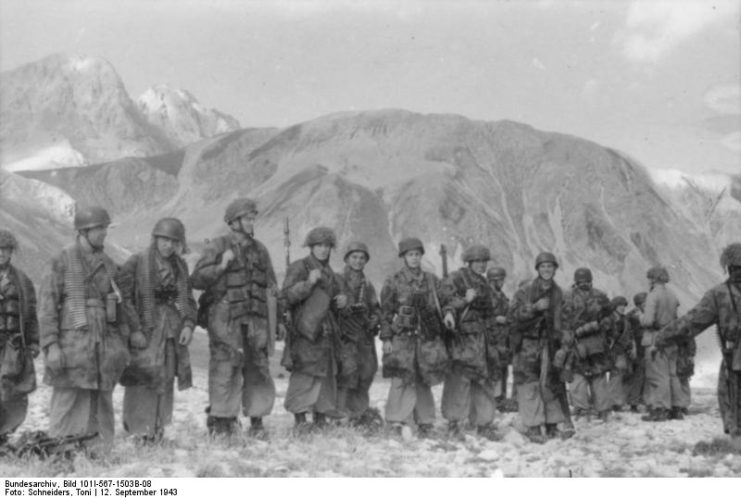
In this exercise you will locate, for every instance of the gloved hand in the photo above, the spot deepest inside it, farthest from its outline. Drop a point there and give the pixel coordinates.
(186, 335)
(54, 358)
(449, 321)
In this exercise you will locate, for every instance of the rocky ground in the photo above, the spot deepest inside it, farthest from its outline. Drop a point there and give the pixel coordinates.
(623, 447)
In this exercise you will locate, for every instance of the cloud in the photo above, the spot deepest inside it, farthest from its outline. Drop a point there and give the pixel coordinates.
(724, 99)
(654, 28)
(537, 64)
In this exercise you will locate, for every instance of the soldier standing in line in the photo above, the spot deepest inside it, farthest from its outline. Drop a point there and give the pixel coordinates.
(584, 311)
(536, 336)
(158, 286)
(498, 335)
(315, 296)
(84, 332)
(19, 339)
(359, 322)
(636, 377)
(236, 274)
(720, 306)
(467, 307)
(414, 353)
(662, 383)
(618, 350)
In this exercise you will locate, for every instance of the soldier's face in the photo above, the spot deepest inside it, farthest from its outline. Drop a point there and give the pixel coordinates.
(498, 282)
(413, 259)
(357, 260)
(584, 285)
(734, 273)
(321, 251)
(244, 224)
(546, 270)
(6, 253)
(478, 266)
(166, 247)
(96, 236)
(620, 309)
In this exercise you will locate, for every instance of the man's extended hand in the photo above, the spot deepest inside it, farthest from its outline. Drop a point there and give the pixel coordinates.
(186, 335)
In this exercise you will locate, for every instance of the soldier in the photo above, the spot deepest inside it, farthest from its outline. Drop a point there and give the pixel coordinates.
(359, 322)
(584, 311)
(498, 338)
(618, 352)
(19, 339)
(414, 353)
(314, 295)
(236, 274)
(467, 301)
(720, 306)
(536, 336)
(636, 377)
(84, 333)
(662, 383)
(158, 286)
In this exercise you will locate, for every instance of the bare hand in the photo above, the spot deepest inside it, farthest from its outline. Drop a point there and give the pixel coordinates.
(340, 300)
(501, 320)
(387, 347)
(54, 358)
(186, 335)
(34, 350)
(281, 333)
(471, 295)
(138, 340)
(542, 304)
(315, 275)
(449, 321)
(226, 257)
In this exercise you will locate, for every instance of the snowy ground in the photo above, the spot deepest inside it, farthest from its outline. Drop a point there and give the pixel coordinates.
(623, 447)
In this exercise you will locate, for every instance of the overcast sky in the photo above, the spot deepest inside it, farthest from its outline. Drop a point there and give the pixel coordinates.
(658, 80)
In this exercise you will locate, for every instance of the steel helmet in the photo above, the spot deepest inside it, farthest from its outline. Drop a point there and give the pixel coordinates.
(240, 207)
(410, 243)
(172, 228)
(91, 217)
(7, 239)
(320, 235)
(545, 257)
(496, 272)
(476, 252)
(731, 255)
(582, 275)
(357, 247)
(658, 274)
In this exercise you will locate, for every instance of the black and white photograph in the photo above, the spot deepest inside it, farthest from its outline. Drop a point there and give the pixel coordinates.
(361, 239)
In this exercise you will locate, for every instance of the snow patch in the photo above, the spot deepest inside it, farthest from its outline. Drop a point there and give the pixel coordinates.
(675, 179)
(82, 63)
(56, 156)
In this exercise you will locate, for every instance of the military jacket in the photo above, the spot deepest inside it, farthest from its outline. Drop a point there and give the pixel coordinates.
(360, 319)
(410, 319)
(160, 292)
(313, 355)
(18, 328)
(96, 352)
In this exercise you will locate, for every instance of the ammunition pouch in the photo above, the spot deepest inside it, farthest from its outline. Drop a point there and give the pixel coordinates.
(590, 346)
(406, 318)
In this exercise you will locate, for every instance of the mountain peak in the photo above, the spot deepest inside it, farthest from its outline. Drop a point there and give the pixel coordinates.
(181, 117)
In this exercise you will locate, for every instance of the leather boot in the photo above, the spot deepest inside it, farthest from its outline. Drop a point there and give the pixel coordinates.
(320, 421)
(676, 413)
(454, 430)
(424, 431)
(257, 430)
(300, 425)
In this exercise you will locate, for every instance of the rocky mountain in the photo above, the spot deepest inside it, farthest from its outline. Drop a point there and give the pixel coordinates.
(181, 117)
(67, 111)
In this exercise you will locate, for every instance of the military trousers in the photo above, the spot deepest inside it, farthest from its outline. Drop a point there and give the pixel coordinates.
(409, 401)
(462, 396)
(538, 404)
(617, 388)
(355, 400)
(662, 384)
(634, 383)
(12, 413)
(731, 424)
(590, 392)
(76, 412)
(146, 409)
(243, 379)
(684, 397)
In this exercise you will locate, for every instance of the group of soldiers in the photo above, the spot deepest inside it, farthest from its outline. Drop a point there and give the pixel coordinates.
(99, 324)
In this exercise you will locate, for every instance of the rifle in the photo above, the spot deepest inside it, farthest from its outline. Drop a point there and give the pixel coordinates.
(286, 360)
(40, 444)
(444, 258)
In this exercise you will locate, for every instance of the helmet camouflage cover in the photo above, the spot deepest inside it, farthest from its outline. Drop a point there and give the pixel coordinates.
(658, 274)
(320, 235)
(410, 243)
(240, 207)
(476, 252)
